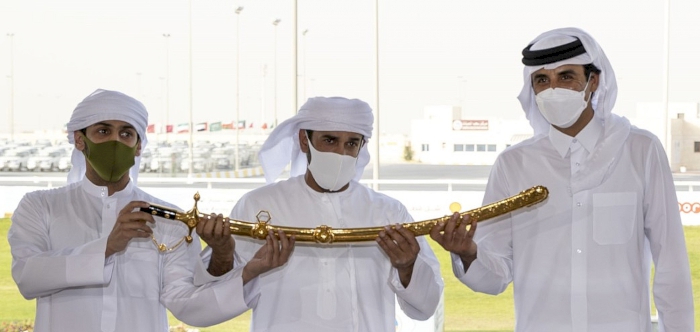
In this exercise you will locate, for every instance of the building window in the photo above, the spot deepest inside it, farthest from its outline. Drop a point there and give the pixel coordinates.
(697, 146)
(469, 147)
(458, 147)
(480, 147)
(425, 147)
(491, 148)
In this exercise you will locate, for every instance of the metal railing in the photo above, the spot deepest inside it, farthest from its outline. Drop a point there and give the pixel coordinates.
(449, 184)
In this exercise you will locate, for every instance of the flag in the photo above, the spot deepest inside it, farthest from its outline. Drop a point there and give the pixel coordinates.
(215, 126)
(241, 124)
(227, 125)
(168, 128)
(183, 128)
(151, 129)
(202, 126)
(264, 126)
(251, 125)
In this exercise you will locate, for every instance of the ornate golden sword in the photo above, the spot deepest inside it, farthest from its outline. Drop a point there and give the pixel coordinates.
(326, 234)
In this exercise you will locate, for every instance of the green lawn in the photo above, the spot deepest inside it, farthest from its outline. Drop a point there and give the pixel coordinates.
(465, 310)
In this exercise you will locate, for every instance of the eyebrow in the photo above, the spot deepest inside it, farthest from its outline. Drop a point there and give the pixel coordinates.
(105, 124)
(329, 136)
(567, 72)
(353, 139)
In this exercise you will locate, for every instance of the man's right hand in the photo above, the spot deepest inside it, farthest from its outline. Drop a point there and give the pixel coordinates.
(215, 230)
(454, 237)
(274, 253)
(130, 224)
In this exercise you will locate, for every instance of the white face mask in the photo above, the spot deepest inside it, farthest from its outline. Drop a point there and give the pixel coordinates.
(331, 171)
(562, 107)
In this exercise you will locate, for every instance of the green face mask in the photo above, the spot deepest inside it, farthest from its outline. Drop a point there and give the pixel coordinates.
(111, 159)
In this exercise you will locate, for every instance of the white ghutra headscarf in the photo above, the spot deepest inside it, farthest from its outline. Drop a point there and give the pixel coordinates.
(104, 105)
(573, 46)
(322, 114)
(603, 98)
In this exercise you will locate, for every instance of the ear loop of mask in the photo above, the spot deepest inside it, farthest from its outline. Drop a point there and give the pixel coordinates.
(590, 95)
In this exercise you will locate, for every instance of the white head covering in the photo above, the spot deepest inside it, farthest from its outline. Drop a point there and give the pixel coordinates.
(322, 114)
(104, 105)
(603, 98)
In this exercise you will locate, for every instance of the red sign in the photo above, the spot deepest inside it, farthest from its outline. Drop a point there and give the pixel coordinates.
(470, 125)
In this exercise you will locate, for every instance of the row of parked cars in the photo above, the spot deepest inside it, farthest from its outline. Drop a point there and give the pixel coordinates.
(35, 157)
(159, 157)
(206, 157)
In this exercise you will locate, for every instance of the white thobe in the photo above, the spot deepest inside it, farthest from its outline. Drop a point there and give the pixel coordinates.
(339, 287)
(58, 239)
(580, 261)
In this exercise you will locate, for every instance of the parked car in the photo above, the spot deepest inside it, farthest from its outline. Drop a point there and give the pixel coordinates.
(162, 164)
(64, 163)
(46, 160)
(15, 160)
(199, 164)
(146, 157)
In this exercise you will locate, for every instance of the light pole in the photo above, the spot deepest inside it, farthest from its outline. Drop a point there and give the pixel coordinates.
(665, 82)
(12, 86)
(295, 55)
(191, 127)
(303, 92)
(375, 130)
(274, 77)
(166, 36)
(238, 129)
(138, 86)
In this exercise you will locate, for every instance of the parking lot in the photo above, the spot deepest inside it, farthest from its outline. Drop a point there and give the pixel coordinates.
(167, 158)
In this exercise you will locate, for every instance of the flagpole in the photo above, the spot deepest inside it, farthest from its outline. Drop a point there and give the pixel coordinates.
(376, 131)
(665, 80)
(191, 161)
(238, 20)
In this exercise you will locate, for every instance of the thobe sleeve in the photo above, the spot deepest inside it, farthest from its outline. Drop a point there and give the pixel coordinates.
(246, 249)
(213, 302)
(202, 275)
(492, 270)
(32, 256)
(662, 225)
(422, 296)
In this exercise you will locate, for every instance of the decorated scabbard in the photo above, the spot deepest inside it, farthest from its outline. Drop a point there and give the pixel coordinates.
(326, 234)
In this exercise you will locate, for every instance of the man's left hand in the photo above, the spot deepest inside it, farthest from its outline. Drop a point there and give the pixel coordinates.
(402, 248)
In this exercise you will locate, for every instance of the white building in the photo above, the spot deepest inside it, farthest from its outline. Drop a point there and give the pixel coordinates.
(682, 135)
(444, 137)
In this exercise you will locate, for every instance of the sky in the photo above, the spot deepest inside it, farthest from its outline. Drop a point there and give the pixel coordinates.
(438, 52)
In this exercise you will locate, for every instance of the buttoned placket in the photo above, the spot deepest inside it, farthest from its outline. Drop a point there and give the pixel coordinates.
(326, 307)
(335, 201)
(109, 295)
(579, 254)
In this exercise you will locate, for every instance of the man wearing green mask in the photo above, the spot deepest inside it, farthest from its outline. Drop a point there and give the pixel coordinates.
(94, 262)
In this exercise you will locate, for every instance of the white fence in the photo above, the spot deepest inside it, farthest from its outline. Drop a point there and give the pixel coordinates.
(220, 200)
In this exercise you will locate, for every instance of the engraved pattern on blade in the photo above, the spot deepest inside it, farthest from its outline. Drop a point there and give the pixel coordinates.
(325, 235)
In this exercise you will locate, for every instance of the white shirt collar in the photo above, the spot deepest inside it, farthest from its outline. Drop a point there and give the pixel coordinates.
(588, 137)
(102, 192)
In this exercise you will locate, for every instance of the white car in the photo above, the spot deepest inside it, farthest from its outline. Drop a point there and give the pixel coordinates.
(64, 163)
(15, 160)
(46, 160)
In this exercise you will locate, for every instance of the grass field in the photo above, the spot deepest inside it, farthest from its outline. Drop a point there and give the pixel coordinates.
(465, 310)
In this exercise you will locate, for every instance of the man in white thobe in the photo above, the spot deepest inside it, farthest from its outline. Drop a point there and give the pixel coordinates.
(339, 287)
(91, 259)
(581, 260)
